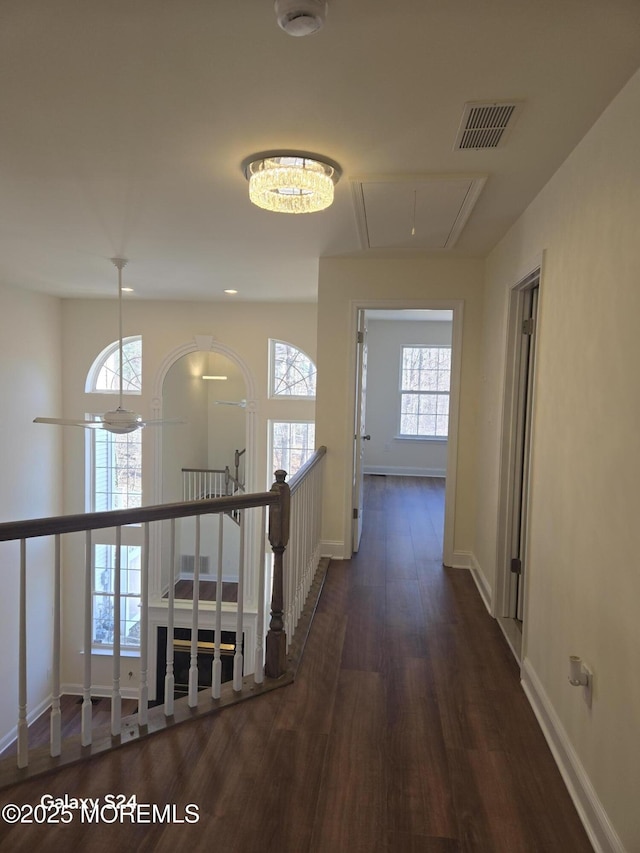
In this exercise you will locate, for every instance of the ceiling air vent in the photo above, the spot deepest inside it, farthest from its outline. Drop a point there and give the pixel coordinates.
(486, 125)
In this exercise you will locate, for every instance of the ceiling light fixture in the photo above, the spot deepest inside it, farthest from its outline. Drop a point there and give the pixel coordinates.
(291, 181)
(301, 17)
(230, 290)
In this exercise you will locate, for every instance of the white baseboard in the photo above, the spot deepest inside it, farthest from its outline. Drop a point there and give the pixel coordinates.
(595, 820)
(208, 576)
(333, 550)
(32, 716)
(101, 691)
(484, 587)
(461, 560)
(400, 471)
(467, 560)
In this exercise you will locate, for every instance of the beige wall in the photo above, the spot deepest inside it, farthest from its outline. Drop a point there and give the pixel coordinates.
(184, 445)
(583, 581)
(31, 464)
(344, 283)
(385, 453)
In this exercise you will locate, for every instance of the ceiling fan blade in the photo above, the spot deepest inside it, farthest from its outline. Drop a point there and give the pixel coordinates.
(162, 422)
(241, 403)
(70, 422)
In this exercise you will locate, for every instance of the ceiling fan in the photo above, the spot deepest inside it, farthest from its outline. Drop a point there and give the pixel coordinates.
(118, 420)
(241, 403)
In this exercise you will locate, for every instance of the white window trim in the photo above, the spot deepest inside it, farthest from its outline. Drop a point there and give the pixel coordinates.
(422, 437)
(437, 438)
(130, 535)
(106, 649)
(270, 424)
(96, 367)
(271, 377)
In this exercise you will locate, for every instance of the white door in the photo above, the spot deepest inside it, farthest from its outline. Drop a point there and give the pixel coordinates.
(360, 435)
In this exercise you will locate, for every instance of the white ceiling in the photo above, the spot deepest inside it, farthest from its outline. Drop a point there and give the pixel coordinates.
(124, 125)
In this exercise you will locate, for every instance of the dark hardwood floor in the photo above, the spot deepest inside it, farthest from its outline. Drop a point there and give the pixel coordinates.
(206, 590)
(406, 729)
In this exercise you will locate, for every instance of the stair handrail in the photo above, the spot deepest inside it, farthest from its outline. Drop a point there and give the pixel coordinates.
(79, 522)
(275, 661)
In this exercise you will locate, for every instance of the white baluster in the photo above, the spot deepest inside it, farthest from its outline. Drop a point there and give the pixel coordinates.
(287, 569)
(216, 666)
(55, 720)
(193, 667)
(238, 659)
(23, 732)
(116, 698)
(258, 671)
(306, 548)
(85, 737)
(169, 679)
(143, 702)
(299, 559)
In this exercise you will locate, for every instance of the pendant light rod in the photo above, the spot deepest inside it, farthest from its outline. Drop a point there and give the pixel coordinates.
(415, 201)
(119, 264)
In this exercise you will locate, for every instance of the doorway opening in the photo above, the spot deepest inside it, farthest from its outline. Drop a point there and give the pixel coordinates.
(516, 460)
(407, 380)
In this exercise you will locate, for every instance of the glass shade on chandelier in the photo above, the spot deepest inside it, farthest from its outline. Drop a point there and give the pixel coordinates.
(291, 183)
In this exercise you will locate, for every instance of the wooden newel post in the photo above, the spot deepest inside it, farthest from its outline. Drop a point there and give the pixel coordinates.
(276, 648)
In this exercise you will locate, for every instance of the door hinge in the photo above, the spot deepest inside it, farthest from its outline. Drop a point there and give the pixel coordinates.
(360, 338)
(528, 326)
(355, 513)
(516, 566)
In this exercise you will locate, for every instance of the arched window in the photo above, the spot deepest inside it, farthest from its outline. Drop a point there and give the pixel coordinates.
(115, 482)
(291, 372)
(103, 377)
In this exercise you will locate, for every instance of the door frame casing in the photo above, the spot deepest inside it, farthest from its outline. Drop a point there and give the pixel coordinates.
(503, 586)
(457, 307)
(359, 426)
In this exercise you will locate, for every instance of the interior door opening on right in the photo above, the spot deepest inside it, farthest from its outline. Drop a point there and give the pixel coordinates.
(527, 315)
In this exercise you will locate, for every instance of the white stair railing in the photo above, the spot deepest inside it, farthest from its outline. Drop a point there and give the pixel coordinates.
(303, 550)
(292, 577)
(205, 483)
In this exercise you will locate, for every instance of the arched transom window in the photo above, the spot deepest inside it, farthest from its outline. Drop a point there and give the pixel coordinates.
(291, 371)
(103, 378)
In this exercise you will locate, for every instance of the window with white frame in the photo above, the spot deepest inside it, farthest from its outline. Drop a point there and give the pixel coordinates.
(104, 376)
(425, 379)
(117, 470)
(115, 482)
(291, 372)
(104, 570)
(292, 443)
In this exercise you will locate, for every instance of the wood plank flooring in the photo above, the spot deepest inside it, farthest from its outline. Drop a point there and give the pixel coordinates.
(206, 590)
(406, 729)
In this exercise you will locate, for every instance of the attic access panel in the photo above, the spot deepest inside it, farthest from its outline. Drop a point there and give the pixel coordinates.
(442, 203)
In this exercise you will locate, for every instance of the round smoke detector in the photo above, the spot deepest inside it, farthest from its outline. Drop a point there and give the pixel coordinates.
(301, 17)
